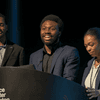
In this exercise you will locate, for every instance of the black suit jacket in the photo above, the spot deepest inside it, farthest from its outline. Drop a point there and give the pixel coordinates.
(14, 55)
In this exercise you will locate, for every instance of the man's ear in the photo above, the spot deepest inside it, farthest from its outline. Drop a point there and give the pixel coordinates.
(59, 33)
(6, 27)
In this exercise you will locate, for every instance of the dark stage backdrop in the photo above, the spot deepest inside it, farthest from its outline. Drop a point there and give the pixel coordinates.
(24, 17)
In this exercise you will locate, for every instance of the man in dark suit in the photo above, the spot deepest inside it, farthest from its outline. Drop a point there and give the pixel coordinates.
(54, 57)
(10, 54)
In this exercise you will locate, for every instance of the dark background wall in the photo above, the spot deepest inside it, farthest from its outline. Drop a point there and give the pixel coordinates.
(78, 17)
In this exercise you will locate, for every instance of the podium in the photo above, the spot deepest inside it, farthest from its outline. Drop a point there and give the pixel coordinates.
(26, 83)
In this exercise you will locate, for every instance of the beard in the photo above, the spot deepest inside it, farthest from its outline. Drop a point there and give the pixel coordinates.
(3, 38)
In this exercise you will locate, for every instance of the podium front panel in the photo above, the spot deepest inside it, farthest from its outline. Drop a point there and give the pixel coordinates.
(25, 84)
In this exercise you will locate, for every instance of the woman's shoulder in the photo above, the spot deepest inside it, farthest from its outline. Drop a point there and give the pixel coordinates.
(88, 63)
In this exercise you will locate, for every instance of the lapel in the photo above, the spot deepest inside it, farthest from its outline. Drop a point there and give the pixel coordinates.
(87, 70)
(8, 51)
(55, 57)
(97, 81)
(40, 60)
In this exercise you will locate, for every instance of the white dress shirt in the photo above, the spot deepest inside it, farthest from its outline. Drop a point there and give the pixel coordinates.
(2, 52)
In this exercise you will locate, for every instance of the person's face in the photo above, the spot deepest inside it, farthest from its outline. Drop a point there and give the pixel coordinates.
(91, 45)
(2, 26)
(49, 32)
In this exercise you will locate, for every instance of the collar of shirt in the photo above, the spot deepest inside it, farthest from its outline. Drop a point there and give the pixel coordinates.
(53, 48)
(94, 66)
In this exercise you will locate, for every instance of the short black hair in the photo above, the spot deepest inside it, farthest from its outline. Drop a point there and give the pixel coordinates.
(1, 15)
(95, 31)
(54, 18)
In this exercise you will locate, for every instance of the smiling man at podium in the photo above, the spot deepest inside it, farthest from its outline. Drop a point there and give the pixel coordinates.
(54, 57)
